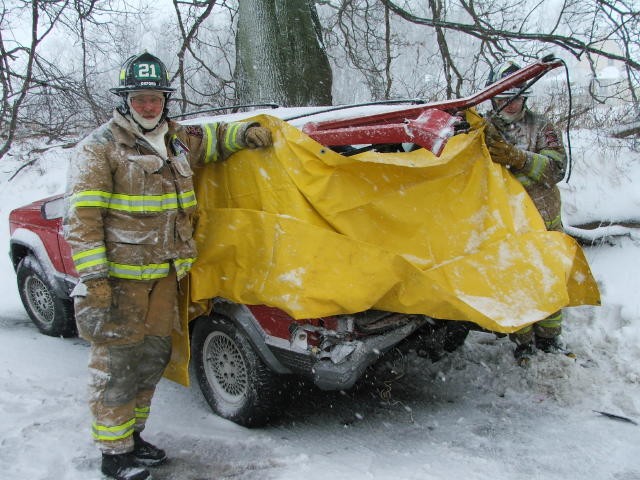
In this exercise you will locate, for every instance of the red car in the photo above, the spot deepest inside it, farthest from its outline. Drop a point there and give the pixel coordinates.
(242, 352)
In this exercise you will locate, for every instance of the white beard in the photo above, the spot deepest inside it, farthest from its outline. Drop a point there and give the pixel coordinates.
(149, 124)
(156, 136)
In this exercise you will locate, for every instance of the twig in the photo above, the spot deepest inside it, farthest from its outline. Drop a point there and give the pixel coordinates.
(617, 417)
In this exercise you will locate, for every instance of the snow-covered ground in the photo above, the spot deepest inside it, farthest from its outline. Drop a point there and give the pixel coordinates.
(473, 415)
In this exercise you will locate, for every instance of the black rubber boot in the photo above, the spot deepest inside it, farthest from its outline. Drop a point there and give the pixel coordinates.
(551, 345)
(547, 345)
(123, 467)
(524, 352)
(147, 454)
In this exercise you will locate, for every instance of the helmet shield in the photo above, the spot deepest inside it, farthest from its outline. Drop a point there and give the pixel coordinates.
(143, 72)
(504, 70)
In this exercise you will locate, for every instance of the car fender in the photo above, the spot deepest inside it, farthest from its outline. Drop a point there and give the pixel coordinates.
(242, 317)
(25, 239)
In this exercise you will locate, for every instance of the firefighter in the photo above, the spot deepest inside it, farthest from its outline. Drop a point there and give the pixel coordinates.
(129, 223)
(530, 146)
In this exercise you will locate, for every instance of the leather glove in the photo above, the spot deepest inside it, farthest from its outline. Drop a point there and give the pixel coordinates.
(98, 292)
(257, 137)
(501, 151)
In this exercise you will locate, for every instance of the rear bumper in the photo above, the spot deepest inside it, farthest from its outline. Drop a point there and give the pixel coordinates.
(339, 371)
(328, 375)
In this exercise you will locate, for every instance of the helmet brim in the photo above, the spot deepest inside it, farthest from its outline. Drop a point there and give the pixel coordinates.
(122, 90)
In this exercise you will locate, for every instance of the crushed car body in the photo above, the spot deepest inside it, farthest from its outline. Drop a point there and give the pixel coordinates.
(314, 263)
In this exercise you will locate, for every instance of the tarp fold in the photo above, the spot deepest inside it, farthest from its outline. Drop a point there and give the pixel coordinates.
(302, 228)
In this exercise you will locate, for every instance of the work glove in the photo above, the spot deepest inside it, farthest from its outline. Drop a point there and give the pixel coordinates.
(501, 151)
(98, 292)
(257, 137)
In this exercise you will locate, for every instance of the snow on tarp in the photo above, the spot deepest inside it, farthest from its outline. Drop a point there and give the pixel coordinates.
(314, 233)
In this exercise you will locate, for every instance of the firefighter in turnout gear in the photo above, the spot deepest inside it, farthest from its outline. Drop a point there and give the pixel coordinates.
(129, 225)
(531, 147)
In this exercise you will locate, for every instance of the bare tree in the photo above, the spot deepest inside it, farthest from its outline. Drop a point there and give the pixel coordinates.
(356, 31)
(85, 16)
(396, 58)
(580, 28)
(41, 95)
(17, 74)
(448, 63)
(189, 22)
(279, 54)
(281, 51)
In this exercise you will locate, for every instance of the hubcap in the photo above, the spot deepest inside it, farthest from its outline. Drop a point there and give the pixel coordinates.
(225, 367)
(40, 299)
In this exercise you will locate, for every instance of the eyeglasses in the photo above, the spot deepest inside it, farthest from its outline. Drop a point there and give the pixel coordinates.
(144, 100)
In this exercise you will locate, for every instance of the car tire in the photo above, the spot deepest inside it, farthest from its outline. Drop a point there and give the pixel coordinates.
(51, 314)
(235, 382)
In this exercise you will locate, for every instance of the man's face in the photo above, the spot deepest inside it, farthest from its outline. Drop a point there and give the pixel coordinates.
(513, 108)
(148, 104)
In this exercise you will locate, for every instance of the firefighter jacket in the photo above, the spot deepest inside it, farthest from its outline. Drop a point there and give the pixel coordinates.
(131, 208)
(545, 165)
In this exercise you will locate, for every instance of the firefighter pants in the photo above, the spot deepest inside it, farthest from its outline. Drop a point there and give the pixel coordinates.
(550, 327)
(130, 348)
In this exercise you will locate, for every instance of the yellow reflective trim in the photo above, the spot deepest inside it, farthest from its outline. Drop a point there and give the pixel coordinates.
(187, 199)
(553, 223)
(134, 203)
(538, 166)
(150, 271)
(89, 258)
(93, 263)
(91, 198)
(552, 321)
(555, 155)
(210, 151)
(142, 412)
(137, 203)
(231, 137)
(183, 265)
(117, 432)
(113, 438)
(87, 253)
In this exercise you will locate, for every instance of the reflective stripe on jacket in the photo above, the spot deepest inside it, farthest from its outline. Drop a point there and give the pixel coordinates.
(131, 210)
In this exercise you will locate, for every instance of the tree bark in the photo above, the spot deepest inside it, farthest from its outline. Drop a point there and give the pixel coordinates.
(280, 57)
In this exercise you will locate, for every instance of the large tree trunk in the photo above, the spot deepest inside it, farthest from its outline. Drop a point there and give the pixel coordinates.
(279, 54)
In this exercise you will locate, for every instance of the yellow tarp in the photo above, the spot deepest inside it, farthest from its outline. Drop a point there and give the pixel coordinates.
(314, 233)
